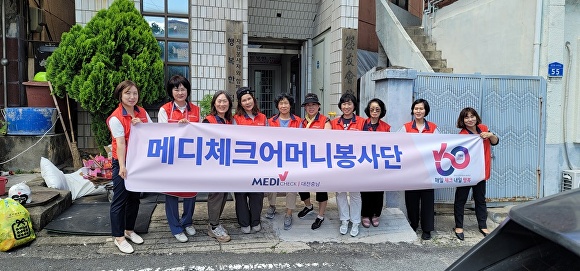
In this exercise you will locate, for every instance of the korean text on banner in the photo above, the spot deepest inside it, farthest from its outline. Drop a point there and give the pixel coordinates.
(225, 158)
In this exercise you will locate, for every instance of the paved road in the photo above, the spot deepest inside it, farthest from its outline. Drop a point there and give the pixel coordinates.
(391, 246)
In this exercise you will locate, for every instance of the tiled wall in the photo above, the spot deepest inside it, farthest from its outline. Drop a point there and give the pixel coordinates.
(208, 21)
(285, 19)
(334, 15)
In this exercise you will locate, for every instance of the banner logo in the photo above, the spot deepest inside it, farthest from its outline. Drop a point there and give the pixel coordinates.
(459, 158)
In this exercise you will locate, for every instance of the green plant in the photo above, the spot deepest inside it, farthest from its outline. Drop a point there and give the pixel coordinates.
(3, 127)
(205, 105)
(116, 45)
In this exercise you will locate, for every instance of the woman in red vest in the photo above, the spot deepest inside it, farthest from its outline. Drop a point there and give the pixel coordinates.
(285, 104)
(314, 120)
(179, 110)
(470, 123)
(220, 113)
(348, 104)
(372, 202)
(125, 204)
(424, 198)
(249, 204)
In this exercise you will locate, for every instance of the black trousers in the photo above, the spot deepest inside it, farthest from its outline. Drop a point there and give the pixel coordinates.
(461, 194)
(320, 196)
(125, 205)
(372, 203)
(421, 207)
(249, 208)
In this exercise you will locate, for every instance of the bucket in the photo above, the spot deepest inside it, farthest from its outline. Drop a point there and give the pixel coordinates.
(30, 120)
(3, 182)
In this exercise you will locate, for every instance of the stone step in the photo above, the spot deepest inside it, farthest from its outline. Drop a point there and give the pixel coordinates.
(443, 70)
(437, 63)
(418, 38)
(432, 54)
(428, 46)
(414, 30)
(41, 215)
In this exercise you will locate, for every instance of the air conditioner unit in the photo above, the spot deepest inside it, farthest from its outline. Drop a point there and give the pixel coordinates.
(570, 179)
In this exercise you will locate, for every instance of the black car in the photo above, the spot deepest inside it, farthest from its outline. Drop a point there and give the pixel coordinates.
(543, 234)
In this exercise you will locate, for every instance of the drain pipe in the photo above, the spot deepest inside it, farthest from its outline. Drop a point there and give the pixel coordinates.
(4, 61)
(538, 37)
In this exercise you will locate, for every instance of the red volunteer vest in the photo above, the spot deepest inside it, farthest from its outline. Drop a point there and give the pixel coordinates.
(411, 127)
(356, 124)
(486, 148)
(318, 122)
(217, 120)
(383, 126)
(294, 121)
(259, 120)
(125, 120)
(174, 115)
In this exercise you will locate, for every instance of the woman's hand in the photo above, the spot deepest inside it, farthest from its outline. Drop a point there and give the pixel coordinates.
(123, 172)
(486, 135)
(183, 121)
(134, 121)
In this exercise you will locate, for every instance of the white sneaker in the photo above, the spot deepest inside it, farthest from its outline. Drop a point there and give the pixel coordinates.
(190, 230)
(124, 246)
(222, 228)
(354, 230)
(257, 228)
(135, 238)
(218, 233)
(344, 227)
(181, 237)
(246, 229)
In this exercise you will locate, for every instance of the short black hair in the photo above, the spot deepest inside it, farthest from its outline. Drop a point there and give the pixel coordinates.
(348, 97)
(425, 104)
(174, 82)
(381, 105)
(283, 96)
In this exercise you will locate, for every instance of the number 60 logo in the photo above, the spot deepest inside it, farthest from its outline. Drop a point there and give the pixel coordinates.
(459, 158)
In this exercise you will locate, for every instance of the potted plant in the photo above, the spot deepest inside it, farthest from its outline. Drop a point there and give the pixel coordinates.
(116, 45)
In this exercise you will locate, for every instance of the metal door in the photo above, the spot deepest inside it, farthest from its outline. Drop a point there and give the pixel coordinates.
(266, 82)
(513, 108)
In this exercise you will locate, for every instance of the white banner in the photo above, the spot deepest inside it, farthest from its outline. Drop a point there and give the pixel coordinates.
(200, 157)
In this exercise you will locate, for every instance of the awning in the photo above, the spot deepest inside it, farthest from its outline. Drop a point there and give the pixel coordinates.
(366, 61)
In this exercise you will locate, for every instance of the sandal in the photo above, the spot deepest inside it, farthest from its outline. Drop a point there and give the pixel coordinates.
(375, 221)
(366, 222)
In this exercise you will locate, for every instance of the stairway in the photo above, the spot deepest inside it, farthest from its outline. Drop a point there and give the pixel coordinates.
(428, 49)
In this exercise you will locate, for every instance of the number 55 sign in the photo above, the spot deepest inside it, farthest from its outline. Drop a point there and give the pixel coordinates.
(555, 69)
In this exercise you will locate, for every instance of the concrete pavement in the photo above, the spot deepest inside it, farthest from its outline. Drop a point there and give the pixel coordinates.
(393, 228)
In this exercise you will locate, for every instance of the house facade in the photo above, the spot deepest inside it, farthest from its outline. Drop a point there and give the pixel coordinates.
(518, 38)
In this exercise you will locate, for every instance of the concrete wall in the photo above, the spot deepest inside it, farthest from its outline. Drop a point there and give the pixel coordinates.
(52, 147)
(490, 37)
(395, 41)
(486, 36)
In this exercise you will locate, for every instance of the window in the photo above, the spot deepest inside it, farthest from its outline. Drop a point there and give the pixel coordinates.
(169, 21)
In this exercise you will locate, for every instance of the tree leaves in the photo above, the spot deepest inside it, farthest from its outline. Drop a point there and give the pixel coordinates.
(116, 45)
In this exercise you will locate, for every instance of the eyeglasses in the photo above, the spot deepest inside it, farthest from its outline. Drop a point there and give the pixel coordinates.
(375, 109)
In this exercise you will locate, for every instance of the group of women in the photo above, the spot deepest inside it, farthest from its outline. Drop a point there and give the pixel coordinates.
(363, 208)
